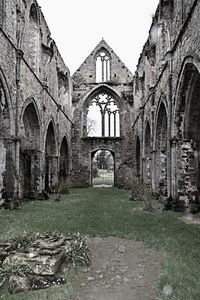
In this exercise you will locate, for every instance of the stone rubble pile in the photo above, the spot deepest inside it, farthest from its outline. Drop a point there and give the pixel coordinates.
(38, 266)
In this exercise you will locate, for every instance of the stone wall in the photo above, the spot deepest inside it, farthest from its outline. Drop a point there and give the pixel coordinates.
(43, 112)
(35, 103)
(166, 84)
(119, 87)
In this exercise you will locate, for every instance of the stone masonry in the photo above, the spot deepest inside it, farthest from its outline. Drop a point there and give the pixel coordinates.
(166, 105)
(85, 88)
(149, 121)
(35, 105)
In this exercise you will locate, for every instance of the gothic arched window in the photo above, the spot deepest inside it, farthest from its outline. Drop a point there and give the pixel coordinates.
(33, 44)
(103, 116)
(102, 66)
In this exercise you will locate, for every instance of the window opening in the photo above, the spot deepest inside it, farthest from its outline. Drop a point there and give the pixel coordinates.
(102, 67)
(103, 117)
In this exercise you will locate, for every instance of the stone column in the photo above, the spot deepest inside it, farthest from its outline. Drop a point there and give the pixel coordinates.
(19, 57)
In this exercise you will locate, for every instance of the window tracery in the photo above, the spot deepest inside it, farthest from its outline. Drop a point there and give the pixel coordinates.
(102, 67)
(105, 112)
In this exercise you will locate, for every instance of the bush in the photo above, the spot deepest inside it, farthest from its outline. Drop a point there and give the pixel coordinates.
(140, 192)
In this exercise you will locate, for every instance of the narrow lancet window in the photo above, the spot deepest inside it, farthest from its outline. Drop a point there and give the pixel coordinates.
(33, 43)
(102, 67)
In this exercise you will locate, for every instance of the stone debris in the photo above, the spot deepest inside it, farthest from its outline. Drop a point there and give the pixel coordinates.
(90, 278)
(122, 249)
(167, 290)
(19, 284)
(38, 266)
(191, 219)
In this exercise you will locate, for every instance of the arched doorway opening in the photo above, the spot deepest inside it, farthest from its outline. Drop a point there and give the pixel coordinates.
(64, 167)
(161, 151)
(51, 160)
(187, 124)
(30, 154)
(103, 168)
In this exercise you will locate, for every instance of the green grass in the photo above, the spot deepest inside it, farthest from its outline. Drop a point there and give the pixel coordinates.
(105, 212)
(103, 181)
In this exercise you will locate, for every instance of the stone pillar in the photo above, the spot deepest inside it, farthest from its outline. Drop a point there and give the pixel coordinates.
(187, 177)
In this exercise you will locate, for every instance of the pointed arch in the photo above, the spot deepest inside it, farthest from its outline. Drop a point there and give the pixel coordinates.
(33, 38)
(102, 113)
(187, 133)
(30, 176)
(186, 99)
(51, 159)
(30, 125)
(103, 65)
(51, 144)
(64, 166)
(161, 149)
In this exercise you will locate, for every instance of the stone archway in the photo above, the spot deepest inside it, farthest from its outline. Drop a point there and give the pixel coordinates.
(161, 151)
(64, 167)
(30, 154)
(187, 131)
(102, 168)
(51, 160)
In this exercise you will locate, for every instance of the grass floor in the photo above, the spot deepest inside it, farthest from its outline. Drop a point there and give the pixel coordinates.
(105, 212)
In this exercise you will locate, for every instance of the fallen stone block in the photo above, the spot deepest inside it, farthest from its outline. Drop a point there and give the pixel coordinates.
(19, 284)
(38, 265)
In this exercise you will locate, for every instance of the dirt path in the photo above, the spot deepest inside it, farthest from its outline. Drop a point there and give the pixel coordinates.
(121, 270)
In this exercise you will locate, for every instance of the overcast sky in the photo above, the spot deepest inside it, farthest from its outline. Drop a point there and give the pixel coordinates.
(77, 26)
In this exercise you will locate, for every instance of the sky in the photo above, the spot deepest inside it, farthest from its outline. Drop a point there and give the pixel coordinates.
(77, 26)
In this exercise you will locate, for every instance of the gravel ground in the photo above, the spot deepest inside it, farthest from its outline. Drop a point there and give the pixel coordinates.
(121, 269)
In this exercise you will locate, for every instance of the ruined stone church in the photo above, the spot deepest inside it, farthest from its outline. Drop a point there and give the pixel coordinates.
(149, 121)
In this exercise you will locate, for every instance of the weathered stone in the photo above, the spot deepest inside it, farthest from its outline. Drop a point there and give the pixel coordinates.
(3, 255)
(40, 91)
(49, 251)
(19, 284)
(51, 243)
(159, 124)
(122, 249)
(118, 86)
(46, 282)
(38, 265)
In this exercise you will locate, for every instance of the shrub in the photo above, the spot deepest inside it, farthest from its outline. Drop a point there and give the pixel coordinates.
(141, 192)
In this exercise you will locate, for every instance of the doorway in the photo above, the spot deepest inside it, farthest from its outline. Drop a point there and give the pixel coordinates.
(103, 169)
